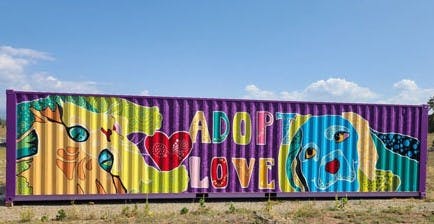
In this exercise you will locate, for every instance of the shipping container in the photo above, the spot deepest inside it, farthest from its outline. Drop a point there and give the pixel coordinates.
(88, 147)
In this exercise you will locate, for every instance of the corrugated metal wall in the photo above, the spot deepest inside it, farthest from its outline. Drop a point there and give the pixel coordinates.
(113, 145)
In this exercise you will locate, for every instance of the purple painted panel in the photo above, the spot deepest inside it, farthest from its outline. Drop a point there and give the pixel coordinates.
(103, 146)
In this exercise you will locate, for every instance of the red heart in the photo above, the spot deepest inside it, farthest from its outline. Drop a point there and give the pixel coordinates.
(168, 152)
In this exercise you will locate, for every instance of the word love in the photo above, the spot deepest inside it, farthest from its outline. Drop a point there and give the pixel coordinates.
(241, 127)
(219, 172)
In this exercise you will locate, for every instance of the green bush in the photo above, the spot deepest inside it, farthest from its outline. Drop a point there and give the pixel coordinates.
(202, 202)
(61, 215)
(431, 123)
(44, 218)
(2, 123)
(127, 212)
(340, 203)
(26, 215)
(184, 211)
(232, 208)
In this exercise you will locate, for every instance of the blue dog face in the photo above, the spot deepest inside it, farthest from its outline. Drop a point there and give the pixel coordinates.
(328, 154)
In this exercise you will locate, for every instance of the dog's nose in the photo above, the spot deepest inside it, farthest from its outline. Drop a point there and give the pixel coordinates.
(332, 166)
(107, 133)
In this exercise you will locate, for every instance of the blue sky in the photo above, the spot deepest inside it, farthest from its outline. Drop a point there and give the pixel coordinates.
(352, 51)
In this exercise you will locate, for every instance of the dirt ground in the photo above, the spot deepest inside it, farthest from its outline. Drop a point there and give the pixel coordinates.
(280, 211)
(431, 141)
(340, 210)
(2, 131)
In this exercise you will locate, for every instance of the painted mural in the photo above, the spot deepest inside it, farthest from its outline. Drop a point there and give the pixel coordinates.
(110, 145)
(79, 145)
(345, 155)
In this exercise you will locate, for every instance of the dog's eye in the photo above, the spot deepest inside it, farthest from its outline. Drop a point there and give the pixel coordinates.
(310, 152)
(78, 133)
(340, 136)
(337, 133)
(105, 160)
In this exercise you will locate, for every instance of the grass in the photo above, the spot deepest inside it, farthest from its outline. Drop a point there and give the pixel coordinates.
(306, 211)
(430, 173)
(2, 131)
(2, 165)
(2, 160)
(26, 215)
(430, 140)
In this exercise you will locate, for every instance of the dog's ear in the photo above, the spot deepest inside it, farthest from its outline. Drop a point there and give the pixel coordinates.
(288, 177)
(293, 164)
(366, 150)
(288, 182)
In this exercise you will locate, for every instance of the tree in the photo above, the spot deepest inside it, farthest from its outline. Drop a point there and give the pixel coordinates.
(431, 102)
(431, 116)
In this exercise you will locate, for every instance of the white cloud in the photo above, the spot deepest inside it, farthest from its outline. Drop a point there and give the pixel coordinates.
(8, 63)
(407, 92)
(332, 89)
(25, 53)
(341, 90)
(256, 93)
(11, 68)
(406, 84)
(145, 93)
(336, 89)
(47, 82)
(14, 74)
